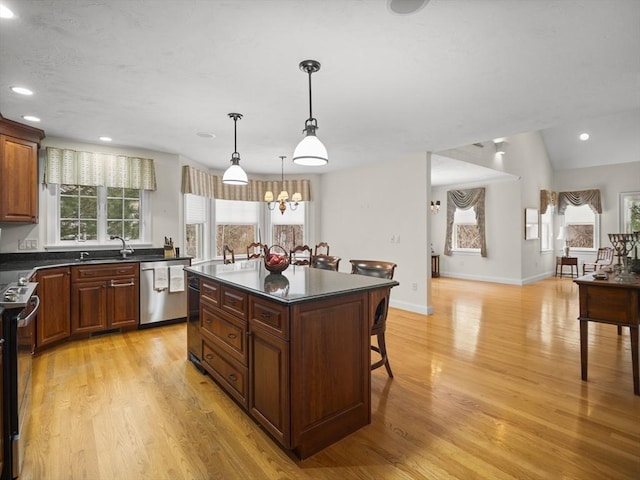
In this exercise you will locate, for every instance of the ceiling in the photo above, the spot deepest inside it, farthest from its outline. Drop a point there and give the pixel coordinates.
(153, 74)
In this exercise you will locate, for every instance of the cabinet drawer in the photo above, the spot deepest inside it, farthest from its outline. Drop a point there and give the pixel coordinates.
(272, 316)
(210, 292)
(229, 374)
(228, 333)
(106, 271)
(234, 302)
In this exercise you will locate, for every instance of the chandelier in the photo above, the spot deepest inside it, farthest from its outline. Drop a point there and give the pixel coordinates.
(283, 196)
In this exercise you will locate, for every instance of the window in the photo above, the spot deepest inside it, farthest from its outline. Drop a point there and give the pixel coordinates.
(236, 225)
(582, 227)
(466, 232)
(92, 214)
(546, 230)
(195, 219)
(287, 230)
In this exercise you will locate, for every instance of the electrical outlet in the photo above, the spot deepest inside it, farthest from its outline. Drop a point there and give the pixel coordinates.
(414, 287)
(22, 244)
(32, 244)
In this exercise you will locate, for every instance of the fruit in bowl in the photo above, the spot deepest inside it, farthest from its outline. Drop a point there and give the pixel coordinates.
(276, 261)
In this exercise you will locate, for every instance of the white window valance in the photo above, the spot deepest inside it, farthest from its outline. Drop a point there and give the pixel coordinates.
(201, 183)
(71, 167)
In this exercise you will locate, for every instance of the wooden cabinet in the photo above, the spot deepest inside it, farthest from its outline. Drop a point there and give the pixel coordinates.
(3, 438)
(19, 146)
(223, 325)
(104, 297)
(53, 321)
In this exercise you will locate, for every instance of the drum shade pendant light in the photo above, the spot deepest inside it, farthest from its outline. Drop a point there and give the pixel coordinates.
(235, 175)
(310, 151)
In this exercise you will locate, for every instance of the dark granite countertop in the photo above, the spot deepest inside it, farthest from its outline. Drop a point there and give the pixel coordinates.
(15, 265)
(295, 284)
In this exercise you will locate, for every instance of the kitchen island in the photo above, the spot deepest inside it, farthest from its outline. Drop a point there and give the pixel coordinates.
(292, 349)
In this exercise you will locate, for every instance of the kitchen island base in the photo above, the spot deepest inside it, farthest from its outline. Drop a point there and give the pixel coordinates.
(301, 369)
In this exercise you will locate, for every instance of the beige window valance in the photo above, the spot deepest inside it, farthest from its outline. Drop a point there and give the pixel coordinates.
(465, 199)
(547, 197)
(578, 198)
(71, 167)
(201, 183)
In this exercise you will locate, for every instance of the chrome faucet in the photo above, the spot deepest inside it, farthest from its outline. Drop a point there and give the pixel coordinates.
(126, 250)
(83, 255)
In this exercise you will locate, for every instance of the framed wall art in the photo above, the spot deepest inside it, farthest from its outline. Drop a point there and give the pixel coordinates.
(629, 210)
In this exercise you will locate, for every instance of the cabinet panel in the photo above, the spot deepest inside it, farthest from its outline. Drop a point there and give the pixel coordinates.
(230, 375)
(123, 302)
(228, 333)
(88, 307)
(19, 176)
(271, 316)
(269, 384)
(234, 302)
(210, 292)
(53, 321)
(106, 271)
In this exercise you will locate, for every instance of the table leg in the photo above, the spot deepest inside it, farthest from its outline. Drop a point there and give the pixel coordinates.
(634, 359)
(584, 340)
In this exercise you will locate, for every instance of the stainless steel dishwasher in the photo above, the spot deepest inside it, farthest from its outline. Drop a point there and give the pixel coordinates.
(163, 292)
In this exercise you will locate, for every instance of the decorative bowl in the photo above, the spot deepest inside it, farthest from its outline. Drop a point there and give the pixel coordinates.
(276, 259)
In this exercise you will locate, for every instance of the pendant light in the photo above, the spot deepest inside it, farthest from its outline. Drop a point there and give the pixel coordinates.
(310, 151)
(235, 175)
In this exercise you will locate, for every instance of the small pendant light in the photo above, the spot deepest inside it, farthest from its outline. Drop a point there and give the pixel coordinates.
(235, 175)
(310, 151)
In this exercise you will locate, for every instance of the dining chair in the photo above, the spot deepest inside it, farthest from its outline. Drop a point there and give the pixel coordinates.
(325, 262)
(604, 258)
(320, 246)
(300, 255)
(380, 269)
(227, 255)
(251, 250)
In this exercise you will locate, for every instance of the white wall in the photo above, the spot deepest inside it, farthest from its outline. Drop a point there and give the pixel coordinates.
(510, 258)
(611, 180)
(166, 208)
(363, 209)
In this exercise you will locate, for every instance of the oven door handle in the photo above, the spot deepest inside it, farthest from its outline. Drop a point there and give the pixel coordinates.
(23, 322)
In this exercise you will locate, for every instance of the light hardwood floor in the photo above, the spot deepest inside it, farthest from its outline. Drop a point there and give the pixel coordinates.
(488, 387)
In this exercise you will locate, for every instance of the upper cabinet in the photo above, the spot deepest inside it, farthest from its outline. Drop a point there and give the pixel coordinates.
(19, 146)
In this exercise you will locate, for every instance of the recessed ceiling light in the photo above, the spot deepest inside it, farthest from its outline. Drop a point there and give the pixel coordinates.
(206, 134)
(5, 12)
(106, 139)
(584, 137)
(21, 90)
(31, 118)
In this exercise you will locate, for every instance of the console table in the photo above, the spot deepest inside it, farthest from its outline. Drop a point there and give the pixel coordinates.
(608, 301)
(571, 262)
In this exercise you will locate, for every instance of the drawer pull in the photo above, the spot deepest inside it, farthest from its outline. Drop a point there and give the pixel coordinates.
(130, 284)
(208, 320)
(233, 378)
(265, 315)
(231, 335)
(209, 356)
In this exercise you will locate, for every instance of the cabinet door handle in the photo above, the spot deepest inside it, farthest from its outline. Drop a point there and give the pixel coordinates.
(130, 284)
(231, 335)
(208, 320)
(233, 378)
